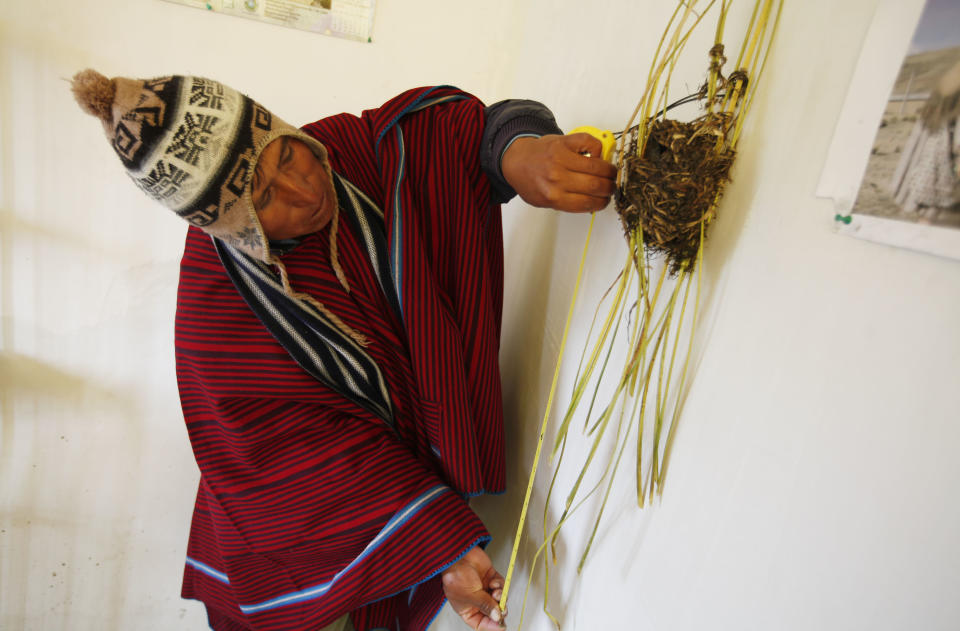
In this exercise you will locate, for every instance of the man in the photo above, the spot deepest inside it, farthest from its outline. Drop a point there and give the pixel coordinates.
(337, 329)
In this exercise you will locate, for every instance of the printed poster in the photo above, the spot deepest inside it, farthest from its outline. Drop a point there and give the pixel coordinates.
(351, 19)
(909, 195)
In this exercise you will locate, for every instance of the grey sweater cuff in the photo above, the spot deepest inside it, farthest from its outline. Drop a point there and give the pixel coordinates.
(505, 122)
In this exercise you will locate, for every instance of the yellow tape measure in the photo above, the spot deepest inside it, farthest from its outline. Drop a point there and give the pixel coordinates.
(605, 137)
(607, 141)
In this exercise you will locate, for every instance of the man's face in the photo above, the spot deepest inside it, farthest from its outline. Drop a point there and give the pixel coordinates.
(291, 191)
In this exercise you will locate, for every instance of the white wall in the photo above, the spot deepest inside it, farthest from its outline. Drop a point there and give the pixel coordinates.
(811, 486)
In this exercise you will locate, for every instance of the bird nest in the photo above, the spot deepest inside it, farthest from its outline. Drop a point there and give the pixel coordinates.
(671, 190)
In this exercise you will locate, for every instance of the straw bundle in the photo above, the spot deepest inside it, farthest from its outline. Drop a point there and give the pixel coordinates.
(671, 176)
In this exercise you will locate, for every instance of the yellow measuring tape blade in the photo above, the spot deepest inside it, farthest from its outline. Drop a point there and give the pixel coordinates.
(543, 425)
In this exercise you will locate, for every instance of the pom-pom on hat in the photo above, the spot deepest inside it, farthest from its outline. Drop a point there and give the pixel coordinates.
(191, 143)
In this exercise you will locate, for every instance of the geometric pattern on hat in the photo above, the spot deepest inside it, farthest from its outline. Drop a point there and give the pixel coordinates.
(192, 144)
(196, 139)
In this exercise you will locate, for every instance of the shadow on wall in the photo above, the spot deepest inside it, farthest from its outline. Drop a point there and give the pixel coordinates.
(722, 239)
(53, 513)
(27, 380)
(732, 212)
(78, 374)
(528, 277)
(528, 254)
(28, 376)
(75, 240)
(528, 352)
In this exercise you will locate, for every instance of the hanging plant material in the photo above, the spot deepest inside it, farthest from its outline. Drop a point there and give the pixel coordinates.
(671, 176)
(673, 187)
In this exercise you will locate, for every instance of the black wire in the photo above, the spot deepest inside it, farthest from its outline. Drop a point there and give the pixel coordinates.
(696, 96)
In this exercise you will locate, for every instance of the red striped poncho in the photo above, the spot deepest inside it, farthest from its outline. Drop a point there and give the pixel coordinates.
(309, 506)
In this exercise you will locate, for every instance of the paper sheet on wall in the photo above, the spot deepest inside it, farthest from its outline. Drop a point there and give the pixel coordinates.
(351, 19)
(889, 180)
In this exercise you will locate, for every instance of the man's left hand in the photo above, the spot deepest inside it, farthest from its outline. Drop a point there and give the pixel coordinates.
(473, 588)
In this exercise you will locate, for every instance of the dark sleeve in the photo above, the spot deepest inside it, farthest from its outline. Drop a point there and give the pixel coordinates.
(504, 122)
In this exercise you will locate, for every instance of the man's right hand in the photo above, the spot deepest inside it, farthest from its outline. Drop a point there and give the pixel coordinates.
(557, 172)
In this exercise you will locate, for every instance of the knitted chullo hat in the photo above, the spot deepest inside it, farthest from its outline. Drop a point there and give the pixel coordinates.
(192, 144)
